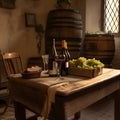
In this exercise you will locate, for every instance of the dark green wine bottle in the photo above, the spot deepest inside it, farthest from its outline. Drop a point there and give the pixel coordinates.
(52, 65)
(65, 52)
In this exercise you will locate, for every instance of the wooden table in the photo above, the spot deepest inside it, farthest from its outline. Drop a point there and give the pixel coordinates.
(77, 95)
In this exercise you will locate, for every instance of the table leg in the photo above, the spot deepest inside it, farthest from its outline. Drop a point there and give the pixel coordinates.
(19, 111)
(77, 116)
(32, 118)
(117, 105)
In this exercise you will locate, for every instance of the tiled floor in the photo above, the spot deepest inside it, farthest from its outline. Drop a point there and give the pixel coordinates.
(100, 111)
(103, 110)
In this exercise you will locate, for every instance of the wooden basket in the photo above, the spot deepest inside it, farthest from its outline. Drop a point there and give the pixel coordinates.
(85, 72)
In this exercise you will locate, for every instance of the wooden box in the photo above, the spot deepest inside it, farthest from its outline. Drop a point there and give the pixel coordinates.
(85, 72)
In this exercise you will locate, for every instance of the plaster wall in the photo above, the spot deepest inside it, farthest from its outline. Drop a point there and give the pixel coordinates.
(15, 36)
(93, 22)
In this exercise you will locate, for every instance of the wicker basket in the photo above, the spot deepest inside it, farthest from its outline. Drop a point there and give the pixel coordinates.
(85, 72)
(28, 75)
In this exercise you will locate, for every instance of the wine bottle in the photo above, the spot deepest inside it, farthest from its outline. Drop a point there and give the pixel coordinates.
(67, 58)
(67, 52)
(52, 65)
(65, 66)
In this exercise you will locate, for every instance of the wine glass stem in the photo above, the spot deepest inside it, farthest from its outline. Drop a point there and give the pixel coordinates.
(44, 65)
(59, 71)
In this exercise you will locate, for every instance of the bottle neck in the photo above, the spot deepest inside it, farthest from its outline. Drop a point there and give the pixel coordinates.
(54, 48)
(53, 43)
(66, 48)
(64, 44)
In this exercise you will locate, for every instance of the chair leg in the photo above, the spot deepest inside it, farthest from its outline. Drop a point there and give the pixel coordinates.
(77, 116)
(33, 118)
(19, 111)
(5, 109)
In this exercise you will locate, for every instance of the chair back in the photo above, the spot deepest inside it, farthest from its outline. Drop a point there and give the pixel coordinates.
(12, 62)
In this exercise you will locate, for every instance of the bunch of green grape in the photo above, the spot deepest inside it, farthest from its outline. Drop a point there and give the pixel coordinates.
(85, 63)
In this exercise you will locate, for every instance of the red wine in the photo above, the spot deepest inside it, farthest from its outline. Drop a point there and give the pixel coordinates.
(60, 60)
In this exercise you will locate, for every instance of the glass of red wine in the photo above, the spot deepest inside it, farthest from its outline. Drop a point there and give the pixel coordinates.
(60, 59)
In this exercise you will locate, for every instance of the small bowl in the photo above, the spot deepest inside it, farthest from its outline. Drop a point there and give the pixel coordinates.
(29, 75)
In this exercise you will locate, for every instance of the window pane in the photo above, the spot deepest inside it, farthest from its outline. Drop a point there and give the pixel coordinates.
(111, 16)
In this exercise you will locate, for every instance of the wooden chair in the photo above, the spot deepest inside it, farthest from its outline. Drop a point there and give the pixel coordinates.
(14, 68)
(4, 93)
(13, 64)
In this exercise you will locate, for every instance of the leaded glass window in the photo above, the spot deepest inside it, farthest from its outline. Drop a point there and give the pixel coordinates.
(111, 16)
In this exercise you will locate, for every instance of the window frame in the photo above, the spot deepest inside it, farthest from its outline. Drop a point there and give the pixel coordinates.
(102, 18)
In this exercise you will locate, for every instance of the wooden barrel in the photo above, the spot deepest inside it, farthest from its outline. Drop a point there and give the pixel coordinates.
(101, 47)
(64, 24)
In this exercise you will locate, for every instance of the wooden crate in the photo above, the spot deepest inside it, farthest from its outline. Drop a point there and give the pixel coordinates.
(85, 72)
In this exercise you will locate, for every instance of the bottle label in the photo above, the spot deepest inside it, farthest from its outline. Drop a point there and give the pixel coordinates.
(67, 64)
(53, 71)
(55, 65)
